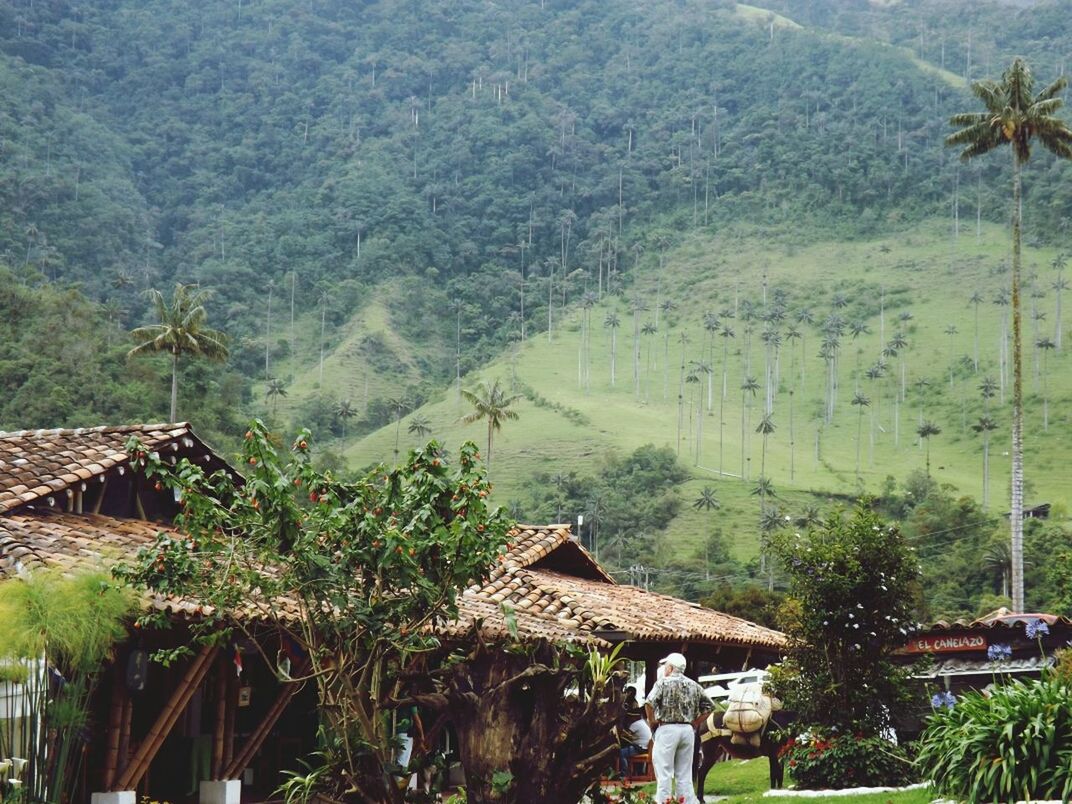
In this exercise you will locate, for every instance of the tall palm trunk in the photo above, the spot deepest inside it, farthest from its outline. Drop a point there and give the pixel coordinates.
(491, 431)
(174, 386)
(1016, 515)
(986, 471)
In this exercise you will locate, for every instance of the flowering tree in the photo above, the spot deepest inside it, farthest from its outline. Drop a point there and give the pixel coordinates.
(852, 584)
(352, 573)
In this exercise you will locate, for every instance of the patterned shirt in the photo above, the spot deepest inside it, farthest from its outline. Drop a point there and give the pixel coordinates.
(678, 699)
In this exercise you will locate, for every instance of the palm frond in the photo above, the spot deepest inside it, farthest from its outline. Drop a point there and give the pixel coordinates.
(1052, 90)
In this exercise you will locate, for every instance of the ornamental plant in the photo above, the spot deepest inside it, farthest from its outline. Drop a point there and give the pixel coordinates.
(1012, 743)
(852, 583)
(845, 760)
(352, 574)
(59, 632)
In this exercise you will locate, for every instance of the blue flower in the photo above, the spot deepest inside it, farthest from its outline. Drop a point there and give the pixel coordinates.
(1036, 628)
(943, 699)
(999, 653)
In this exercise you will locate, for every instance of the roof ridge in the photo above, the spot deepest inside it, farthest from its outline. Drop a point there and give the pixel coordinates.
(102, 428)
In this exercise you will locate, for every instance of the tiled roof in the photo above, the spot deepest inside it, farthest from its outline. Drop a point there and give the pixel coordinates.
(530, 625)
(77, 541)
(595, 606)
(534, 544)
(984, 667)
(999, 618)
(35, 464)
(548, 604)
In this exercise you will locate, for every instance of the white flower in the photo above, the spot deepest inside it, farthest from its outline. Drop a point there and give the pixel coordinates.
(859, 605)
(855, 625)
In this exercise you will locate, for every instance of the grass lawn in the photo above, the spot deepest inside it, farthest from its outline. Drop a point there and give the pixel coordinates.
(746, 782)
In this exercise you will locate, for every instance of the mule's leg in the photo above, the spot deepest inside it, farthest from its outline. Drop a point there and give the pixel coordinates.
(777, 772)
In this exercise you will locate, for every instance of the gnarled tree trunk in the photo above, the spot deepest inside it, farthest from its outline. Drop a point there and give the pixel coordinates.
(525, 736)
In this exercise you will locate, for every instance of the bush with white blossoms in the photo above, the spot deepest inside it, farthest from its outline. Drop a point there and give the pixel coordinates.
(853, 581)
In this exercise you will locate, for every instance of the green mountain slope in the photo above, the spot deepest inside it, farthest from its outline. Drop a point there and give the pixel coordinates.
(922, 273)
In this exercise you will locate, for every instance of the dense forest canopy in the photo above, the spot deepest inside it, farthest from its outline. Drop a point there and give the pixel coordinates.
(464, 175)
(237, 143)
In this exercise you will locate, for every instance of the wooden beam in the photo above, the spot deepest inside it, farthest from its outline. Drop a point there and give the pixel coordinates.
(100, 496)
(165, 721)
(260, 734)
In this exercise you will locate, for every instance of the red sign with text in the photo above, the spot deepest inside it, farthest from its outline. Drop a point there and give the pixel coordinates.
(947, 643)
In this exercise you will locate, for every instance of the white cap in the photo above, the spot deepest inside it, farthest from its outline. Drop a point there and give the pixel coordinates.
(674, 660)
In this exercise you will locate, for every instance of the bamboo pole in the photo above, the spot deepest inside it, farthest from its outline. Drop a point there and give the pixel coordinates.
(260, 734)
(229, 723)
(124, 733)
(165, 721)
(220, 729)
(115, 725)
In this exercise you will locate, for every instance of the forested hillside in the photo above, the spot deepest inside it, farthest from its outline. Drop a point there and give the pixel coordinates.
(390, 200)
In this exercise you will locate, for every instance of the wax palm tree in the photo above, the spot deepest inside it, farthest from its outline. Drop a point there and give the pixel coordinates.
(988, 389)
(770, 521)
(1047, 346)
(975, 300)
(726, 333)
(612, 322)
(985, 426)
(419, 426)
(859, 401)
(491, 403)
(748, 386)
(765, 428)
(275, 390)
(1014, 115)
(998, 560)
(181, 331)
(707, 501)
(649, 331)
(398, 404)
(808, 518)
(1059, 285)
(344, 411)
(951, 331)
(925, 431)
(900, 343)
(804, 316)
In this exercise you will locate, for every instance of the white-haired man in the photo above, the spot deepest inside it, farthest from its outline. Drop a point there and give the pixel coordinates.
(674, 706)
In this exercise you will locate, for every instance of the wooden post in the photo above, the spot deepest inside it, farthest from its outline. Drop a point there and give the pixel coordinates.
(165, 721)
(260, 734)
(220, 729)
(115, 724)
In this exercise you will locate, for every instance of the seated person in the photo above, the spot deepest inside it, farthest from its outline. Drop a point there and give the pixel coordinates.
(636, 739)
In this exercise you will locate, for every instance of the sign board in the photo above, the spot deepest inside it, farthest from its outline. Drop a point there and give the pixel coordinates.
(946, 643)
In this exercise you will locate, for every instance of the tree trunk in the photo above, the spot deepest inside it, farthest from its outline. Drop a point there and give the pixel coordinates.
(1016, 515)
(174, 387)
(521, 738)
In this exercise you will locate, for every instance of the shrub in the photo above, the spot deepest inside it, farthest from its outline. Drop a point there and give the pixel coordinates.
(847, 760)
(852, 581)
(1013, 744)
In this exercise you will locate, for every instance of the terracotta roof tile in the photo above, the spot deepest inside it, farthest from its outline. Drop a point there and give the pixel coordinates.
(39, 463)
(594, 606)
(548, 604)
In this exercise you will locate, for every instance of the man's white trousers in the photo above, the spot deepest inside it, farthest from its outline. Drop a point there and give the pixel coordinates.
(672, 760)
